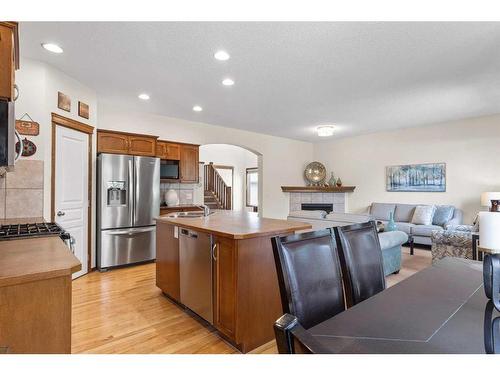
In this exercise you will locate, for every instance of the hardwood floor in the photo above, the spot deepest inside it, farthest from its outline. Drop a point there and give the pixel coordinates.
(122, 311)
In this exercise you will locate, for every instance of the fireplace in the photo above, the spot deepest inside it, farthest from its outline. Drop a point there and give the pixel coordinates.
(328, 207)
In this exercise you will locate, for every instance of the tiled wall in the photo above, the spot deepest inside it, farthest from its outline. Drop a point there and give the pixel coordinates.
(21, 191)
(337, 199)
(186, 192)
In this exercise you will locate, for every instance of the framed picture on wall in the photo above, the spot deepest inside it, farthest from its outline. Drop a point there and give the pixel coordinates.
(63, 102)
(83, 110)
(430, 177)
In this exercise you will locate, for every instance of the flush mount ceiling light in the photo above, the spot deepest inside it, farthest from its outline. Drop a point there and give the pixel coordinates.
(143, 96)
(52, 47)
(197, 108)
(221, 55)
(325, 131)
(228, 82)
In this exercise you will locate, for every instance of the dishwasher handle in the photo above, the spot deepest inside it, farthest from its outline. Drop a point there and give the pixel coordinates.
(214, 248)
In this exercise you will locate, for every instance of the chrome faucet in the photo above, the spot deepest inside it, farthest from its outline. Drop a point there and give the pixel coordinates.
(206, 209)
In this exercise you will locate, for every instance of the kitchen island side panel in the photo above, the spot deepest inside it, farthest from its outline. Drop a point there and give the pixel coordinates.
(258, 301)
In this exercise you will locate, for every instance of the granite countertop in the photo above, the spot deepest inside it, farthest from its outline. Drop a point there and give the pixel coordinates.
(236, 224)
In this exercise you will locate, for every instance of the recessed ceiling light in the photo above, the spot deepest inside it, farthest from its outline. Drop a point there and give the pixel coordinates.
(197, 108)
(144, 96)
(52, 47)
(228, 82)
(221, 55)
(325, 131)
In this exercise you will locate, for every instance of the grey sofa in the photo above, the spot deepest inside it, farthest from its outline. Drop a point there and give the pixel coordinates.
(403, 214)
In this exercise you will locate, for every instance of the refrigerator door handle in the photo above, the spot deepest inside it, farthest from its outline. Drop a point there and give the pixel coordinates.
(130, 231)
(131, 191)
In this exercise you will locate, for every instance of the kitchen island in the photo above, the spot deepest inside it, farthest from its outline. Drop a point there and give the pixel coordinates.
(245, 291)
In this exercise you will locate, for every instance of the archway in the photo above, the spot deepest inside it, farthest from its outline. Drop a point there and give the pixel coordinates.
(240, 170)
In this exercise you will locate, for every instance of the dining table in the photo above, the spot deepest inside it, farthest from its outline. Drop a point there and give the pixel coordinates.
(441, 309)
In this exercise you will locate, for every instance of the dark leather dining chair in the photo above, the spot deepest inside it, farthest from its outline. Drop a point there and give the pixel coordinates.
(361, 260)
(309, 276)
(292, 338)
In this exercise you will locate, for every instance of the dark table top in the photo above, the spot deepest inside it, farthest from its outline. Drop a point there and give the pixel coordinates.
(441, 309)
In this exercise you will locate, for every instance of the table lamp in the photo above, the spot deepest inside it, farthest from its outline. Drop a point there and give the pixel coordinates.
(491, 199)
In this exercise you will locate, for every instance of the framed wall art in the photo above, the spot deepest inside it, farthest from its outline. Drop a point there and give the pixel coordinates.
(430, 177)
(83, 110)
(63, 102)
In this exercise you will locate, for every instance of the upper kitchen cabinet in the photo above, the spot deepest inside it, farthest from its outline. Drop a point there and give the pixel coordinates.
(142, 145)
(9, 59)
(168, 150)
(113, 142)
(189, 163)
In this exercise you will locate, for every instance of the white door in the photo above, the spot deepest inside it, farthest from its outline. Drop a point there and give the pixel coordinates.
(71, 189)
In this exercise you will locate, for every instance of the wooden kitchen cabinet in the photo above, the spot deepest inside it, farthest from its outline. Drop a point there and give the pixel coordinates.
(167, 260)
(111, 142)
(9, 59)
(168, 150)
(114, 142)
(224, 270)
(189, 163)
(142, 145)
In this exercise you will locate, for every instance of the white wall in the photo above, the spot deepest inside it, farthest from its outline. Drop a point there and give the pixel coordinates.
(282, 160)
(38, 85)
(236, 157)
(470, 148)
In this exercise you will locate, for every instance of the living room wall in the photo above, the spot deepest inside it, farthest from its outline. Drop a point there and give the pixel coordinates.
(470, 149)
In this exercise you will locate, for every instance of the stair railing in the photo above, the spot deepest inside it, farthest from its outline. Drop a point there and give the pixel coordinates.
(215, 184)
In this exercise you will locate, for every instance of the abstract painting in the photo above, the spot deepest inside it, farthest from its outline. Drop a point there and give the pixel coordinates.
(416, 177)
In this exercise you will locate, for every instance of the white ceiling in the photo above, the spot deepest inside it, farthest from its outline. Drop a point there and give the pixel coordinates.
(290, 77)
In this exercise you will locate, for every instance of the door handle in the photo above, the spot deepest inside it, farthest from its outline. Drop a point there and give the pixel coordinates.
(60, 213)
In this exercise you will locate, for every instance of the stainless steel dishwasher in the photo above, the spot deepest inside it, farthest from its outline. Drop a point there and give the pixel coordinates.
(195, 263)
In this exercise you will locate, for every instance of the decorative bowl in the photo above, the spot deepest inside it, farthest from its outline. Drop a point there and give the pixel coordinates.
(315, 173)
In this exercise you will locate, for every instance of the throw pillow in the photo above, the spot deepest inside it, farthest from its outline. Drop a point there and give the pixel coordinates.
(423, 215)
(442, 215)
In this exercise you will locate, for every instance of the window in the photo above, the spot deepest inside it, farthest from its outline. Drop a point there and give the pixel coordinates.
(252, 188)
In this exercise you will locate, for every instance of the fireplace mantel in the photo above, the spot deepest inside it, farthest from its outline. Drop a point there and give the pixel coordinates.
(317, 189)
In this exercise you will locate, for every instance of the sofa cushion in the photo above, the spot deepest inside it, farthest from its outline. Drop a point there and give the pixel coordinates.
(424, 230)
(423, 215)
(404, 212)
(316, 214)
(442, 215)
(381, 211)
(391, 239)
(404, 227)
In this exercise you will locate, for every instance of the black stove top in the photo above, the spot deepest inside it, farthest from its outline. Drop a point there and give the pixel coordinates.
(14, 231)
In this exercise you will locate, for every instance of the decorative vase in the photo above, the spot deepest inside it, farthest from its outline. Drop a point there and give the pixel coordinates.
(391, 225)
(332, 180)
(339, 182)
(171, 197)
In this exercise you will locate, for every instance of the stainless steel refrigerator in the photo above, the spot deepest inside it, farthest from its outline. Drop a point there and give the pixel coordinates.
(128, 200)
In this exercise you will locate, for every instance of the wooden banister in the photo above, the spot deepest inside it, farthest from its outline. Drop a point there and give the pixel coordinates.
(215, 185)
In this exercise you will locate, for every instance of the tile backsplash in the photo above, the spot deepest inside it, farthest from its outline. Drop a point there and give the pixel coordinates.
(21, 191)
(185, 192)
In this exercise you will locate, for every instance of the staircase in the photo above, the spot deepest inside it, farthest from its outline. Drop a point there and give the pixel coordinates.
(217, 194)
